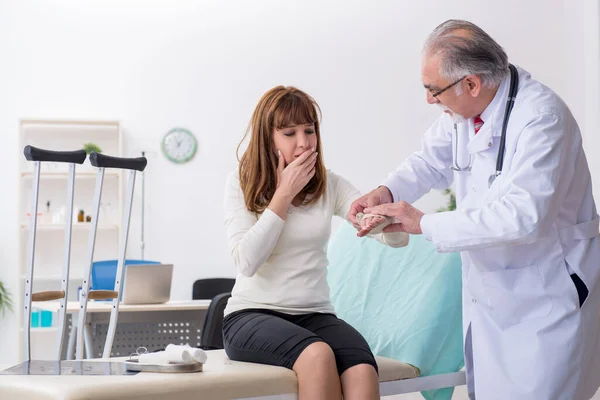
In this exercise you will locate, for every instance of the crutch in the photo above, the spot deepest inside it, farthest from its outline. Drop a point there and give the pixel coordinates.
(101, 162)
(37, 156)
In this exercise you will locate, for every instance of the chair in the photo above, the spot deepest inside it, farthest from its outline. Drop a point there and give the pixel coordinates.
(206, 289)
(211, 337)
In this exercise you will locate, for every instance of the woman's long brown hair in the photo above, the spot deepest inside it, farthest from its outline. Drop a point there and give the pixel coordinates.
(280, 107)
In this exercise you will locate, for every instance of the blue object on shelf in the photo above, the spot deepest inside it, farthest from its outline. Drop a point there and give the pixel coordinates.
(104, 273)
(45, 318)
(35, 318)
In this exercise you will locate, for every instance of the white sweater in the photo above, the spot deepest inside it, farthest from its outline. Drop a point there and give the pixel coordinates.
(282, 265)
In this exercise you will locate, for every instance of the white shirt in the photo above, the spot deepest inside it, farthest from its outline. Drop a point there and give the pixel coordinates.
(282, 265)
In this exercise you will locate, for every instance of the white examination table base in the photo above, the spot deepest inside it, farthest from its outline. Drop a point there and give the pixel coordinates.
(221, 379)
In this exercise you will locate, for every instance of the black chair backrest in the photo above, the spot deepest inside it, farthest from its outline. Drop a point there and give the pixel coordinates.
(211, 337)
(206, 289)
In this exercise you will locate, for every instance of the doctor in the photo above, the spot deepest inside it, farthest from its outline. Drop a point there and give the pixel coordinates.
(525, 223)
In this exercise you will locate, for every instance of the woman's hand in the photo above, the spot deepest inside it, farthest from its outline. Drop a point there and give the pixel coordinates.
(370, 221)
(291, 179)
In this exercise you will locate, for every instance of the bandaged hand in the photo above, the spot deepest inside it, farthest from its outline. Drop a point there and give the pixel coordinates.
(381, 195)
(373, 223)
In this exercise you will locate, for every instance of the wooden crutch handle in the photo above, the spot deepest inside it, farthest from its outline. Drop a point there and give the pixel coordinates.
(48, 295)
(102, 294)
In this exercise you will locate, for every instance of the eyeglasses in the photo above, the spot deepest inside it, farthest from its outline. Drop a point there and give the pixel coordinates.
(436, 94)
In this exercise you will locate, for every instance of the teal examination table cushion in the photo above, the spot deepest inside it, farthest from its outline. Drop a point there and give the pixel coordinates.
(406, 302)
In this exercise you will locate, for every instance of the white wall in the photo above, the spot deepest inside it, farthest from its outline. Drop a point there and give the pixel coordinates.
(591, 88)
(203, 65)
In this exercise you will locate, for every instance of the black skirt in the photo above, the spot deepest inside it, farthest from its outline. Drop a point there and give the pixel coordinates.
(274, 338)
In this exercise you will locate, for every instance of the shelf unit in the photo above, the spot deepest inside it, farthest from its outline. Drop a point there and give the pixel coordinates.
(76, 227)
(63, 175)
(49, 251)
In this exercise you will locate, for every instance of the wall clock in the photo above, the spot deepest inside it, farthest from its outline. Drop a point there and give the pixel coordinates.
(179, 145)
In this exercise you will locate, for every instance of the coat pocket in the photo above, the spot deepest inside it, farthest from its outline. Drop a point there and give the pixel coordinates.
(516, 295)
(581, 253)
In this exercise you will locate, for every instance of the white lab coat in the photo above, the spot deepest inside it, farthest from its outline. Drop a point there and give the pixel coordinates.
(525, 335)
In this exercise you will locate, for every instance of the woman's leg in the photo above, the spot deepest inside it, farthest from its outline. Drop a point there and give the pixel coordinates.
(317, 373)
(355, 361)
(360, 382)
(268, 337)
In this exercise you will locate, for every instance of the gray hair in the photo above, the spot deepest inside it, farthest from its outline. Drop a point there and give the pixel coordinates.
(472, 52)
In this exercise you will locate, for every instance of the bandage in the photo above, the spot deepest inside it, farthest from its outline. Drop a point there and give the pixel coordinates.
(174, 353)
(187, 353)
(377, 228)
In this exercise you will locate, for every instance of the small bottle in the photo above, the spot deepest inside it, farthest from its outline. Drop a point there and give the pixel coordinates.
(88, 218)
(80, 216)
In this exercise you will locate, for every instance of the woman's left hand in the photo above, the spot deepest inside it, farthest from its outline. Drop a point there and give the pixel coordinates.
(371, 222)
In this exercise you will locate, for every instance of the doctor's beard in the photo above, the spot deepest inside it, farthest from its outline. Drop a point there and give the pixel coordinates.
(456, 118)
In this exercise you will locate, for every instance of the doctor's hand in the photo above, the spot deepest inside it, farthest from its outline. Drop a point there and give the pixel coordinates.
(381, 195)
(408, 217)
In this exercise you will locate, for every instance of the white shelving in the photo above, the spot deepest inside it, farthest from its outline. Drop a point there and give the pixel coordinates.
(63, 175)
(56, 277)
(52, 204)
(43, 342)
(80, 226)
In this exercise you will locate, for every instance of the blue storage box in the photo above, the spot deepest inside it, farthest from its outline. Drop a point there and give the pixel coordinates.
(104, 273)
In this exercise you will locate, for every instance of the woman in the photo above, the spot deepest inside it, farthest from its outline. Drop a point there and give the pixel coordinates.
(279, 205)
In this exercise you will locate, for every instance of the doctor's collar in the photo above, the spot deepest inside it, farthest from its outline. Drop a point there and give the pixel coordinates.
(491, 113)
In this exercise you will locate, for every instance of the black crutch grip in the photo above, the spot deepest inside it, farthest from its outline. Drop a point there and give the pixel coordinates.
(104, 161)
(35, 154)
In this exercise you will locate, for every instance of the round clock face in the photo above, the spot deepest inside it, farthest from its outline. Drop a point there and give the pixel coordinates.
(179, 145)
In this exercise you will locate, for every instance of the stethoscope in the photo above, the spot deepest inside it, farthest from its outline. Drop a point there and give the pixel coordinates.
(510, 102)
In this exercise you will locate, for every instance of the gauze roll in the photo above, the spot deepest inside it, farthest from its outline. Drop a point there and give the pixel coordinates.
(174, 353)
(186, 353)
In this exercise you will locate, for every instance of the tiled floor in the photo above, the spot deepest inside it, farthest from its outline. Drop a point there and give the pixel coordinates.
(460, 393)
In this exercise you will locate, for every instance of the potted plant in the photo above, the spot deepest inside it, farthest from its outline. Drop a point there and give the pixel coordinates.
(451, 201)
(90, 147)
(6, 303)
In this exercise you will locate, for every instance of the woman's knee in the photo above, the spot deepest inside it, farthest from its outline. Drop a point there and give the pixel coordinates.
(360, 382)
(315, 355)
(360, 370)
